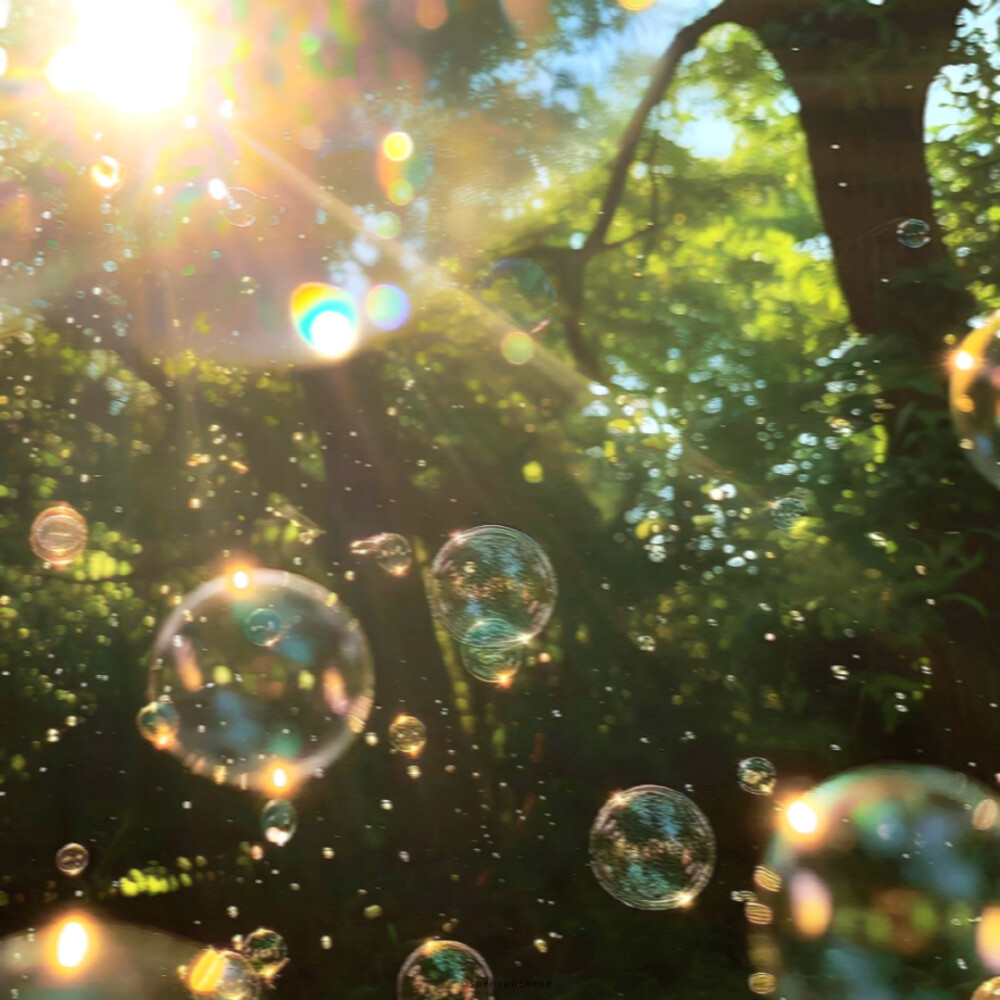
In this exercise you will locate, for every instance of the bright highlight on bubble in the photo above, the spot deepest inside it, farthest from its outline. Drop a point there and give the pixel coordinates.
(325, 317)
(106, 173)
(397, 146)
(387, 307)
(136, 57)
(217, 189)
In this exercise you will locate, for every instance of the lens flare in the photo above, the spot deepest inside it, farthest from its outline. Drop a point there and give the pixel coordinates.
(397, 146)
(387, 307)
(72, 945)
(325, 318)
(135, 57)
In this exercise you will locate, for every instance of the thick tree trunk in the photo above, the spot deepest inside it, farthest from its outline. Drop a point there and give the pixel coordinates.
(861, 74)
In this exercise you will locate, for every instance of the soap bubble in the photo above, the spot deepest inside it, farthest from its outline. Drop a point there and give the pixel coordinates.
(652, 848)
(787, 512)
(159, 723)
(264, 627)
(391, 552)
(975, 398)
(253, 706)
(408, 735)
(267, 952)
(222, 975)
(72, 859)
(279, 820)
(441, 970)
(913, 233)
(892, 889)
(387, 307)
(756, 775)
(519, 289)
(492, 586)
(990, 990)
(241, 208)
(493, 664)
(58, 535)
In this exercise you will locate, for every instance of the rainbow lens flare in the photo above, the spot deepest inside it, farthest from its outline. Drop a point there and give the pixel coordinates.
(387, 307)
(325, 318)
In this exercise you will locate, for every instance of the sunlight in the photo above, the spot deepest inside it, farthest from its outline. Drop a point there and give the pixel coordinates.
(134, 55)
(72, 945)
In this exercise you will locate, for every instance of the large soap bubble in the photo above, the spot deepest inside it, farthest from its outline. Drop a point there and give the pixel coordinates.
(270, 677)
(652, 848)
(58, 535)
(441, 970)
(884, 882)
(975, 398)
(520, 290)
(492, 586)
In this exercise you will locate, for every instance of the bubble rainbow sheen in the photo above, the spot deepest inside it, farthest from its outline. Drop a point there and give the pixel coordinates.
(325, 317)
(387, 307)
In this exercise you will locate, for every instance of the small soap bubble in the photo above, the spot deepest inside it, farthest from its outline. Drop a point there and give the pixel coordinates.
(392, 552)
(72, 859)
(328, 853)
(974, 394)
(913, 233)
(106, 173)
(444, 969)
(279, 821)
(519, 290)
(222, 975)
(264, 627)
(58, 535)
(408, 735)
(492, 586)
(267, 952)
(787, 512)
(241, 207)
(756, 775)
(652, 848)
(762, 983)
(541, 945)
(325, 942)
(494, 665)
(159, 723)
(413, 771)
(387, 307)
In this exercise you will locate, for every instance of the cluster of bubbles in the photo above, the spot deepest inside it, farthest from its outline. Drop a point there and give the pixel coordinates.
(58, 535)
(884, 882)
(72, 859)
(652, 848)
(408, 735)
(390, 551)
(239, 972)
(442, 970)
(975, 398)
(757, 775)
(258, 674)
(519, 291)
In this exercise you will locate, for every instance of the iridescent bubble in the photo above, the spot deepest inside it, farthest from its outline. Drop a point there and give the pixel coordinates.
(408, 735)
(974, 394)
(889, 887)
(72, 859)
(264, 627)
(497, 665)
(262, 715)
(757, 775)
(58, 535)
(652, 848)
(267, 952)
(517, 347)
(520, 290)
(392, 552)
(913, 233)
(492, 586)
(442, 970)
(387, 225)
(787, 512)
(222, 975)
(279, 821)
(159, 723)
(387, 307)
(326, 318)
(241, 208)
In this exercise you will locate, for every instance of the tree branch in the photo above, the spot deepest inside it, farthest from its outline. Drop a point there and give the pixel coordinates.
(685, 41)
